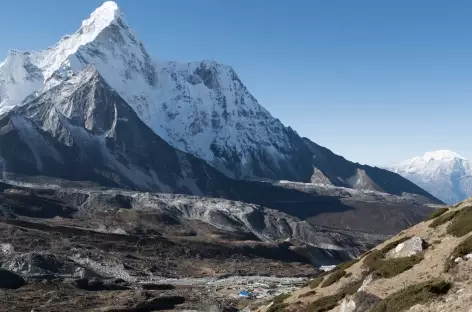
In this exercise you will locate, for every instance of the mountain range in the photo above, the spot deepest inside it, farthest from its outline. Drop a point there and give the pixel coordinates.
(120, 170)
(443, 173)
(200, 108)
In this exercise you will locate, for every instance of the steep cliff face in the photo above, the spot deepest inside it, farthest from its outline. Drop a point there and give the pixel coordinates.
(83, 130)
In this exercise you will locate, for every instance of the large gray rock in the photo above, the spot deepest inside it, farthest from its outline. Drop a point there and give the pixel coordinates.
(348, 305)
(39, 264)
(408, 248)
(10, 280)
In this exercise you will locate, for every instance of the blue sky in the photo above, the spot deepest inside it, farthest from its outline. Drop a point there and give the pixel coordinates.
(375, 81)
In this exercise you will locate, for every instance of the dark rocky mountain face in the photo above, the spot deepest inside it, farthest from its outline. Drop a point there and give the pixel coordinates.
(336, 170)
(82, 130)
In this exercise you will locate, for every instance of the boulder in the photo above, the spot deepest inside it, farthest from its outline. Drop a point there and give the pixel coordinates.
(408, 248)
(6, 249)
(10, 280)
(359, 302)
(348, 305)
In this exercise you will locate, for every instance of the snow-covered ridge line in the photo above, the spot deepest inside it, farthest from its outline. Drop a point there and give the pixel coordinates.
(443, 173)
(194, 106)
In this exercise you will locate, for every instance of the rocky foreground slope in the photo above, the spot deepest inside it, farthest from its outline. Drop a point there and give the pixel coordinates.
(426, 268)
(109, 251)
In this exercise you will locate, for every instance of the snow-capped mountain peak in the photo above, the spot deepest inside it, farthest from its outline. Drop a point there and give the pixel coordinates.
(23, 73)
(103, 16)
(202, 108)
(429, 161)
(442, 155)
(106, 16)
(443, 173)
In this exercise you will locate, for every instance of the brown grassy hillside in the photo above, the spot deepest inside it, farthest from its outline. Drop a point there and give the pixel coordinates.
(438, 278)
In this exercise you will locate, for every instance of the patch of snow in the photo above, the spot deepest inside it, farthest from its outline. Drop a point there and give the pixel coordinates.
(327, 268)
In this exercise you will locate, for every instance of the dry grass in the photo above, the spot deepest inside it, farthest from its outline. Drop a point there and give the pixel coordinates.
(412, 295)
(316, 282)
(438, 212)
(352, 287)
(279, 307)
(462, 223)
(333, 278)
(464, 248)
(307, 294)
(388, 268)
(278, 304)
(446, 217)
(372, 258)
(325, 303)
(346, 265)
(280, 298)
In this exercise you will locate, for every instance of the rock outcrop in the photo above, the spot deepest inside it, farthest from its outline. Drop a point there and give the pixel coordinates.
(411, 247)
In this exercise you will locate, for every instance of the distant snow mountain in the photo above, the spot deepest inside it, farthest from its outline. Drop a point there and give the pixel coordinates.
(201, 108)
(445, 174)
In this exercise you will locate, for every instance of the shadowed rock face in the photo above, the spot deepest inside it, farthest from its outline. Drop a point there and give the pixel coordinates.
(318, 229)
(10, 280)
(84, 131)
(341, 172)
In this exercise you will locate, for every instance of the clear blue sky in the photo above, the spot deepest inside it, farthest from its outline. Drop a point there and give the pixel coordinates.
(375, 81)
